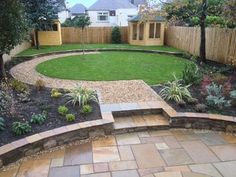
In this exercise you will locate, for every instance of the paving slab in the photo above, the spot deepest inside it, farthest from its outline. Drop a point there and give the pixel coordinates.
(34, 168)
(199, 152)
(70, 171)
(147, 156)
(105, 154)
(207, 169)
(127, 173)
(227, 169)
(175, 157)
(79, 154)
(126, 153)
(126, 139)
(225, 152)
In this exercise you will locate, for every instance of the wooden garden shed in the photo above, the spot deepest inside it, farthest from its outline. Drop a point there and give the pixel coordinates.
(149, 32)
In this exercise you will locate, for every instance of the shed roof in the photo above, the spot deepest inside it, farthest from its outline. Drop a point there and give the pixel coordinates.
(139, 17)
(111, 5)
(78, 9)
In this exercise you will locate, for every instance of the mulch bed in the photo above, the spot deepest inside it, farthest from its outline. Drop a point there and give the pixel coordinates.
(196, 92)
(42, 101)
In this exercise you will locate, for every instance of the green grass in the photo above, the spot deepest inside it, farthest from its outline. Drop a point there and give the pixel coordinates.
(107, 66)
(47, 49)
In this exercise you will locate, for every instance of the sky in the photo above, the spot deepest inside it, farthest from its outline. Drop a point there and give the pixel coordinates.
(87, 3)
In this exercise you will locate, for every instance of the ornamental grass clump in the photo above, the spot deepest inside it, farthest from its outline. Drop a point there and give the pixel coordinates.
(175, 91)
(81, 96)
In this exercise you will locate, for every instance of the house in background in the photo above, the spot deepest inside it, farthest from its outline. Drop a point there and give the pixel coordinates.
(77, 10)
(74, 11)
(137, 2)
(111, 13)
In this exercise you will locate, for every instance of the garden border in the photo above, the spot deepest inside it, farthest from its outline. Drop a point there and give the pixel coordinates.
(45, 140)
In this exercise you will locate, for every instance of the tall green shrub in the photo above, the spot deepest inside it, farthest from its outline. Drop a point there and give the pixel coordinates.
(116, 35)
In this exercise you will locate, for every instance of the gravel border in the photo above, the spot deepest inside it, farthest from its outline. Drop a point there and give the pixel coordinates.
(124, 91)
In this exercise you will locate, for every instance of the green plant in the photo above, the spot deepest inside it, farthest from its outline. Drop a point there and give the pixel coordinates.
(40, 84)
(5, 97)
(20, 128)
(200, 107)
(81, 96)
(219, 78)
(62, 110)
(191, 74)
(175, 91)
(19, 86)
(70, 117)
(55, 93)
(233, 94)
(116, 35)
(24, 96)
(215, 97)
(192, 101)
(2, 124)
(38, 118)
(86, 109)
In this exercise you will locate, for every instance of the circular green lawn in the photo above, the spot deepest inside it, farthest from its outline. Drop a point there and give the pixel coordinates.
(109, 66)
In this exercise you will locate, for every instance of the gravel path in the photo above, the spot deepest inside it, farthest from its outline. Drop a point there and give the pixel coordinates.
(110, 91)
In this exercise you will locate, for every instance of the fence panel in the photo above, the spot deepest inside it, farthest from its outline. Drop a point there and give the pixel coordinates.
(220, 42)
(92, 35)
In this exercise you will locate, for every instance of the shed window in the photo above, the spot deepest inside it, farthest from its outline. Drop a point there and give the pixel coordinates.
(158, 30)
(54, 27)
(155, 30)
(151, 30)
(102, 16)
(141, 31)
(134, 32)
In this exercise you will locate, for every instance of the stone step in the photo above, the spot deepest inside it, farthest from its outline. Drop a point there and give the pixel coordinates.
(141, 122)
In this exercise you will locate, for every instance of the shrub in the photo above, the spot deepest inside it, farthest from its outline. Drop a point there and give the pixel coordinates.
(40, 84)
(19, 86)
(191, 74)
(233, 97)
(116, 35)
(233, 94)
(38, 118)
(206, 81)
(24, 96)
(182, 103)
(70, 117)
(55, 93)
(215, 97)
(192, 101)
(5, 97)
(86, 109)
(19, 128)
(81, 96)
(63, 110)
(175, 91)
(200, 108)
(219, 79)
(2, 124)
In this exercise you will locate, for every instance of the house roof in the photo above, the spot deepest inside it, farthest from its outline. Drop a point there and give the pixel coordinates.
(137, 2)
(139, 17)
(78, 9)
(111, 5)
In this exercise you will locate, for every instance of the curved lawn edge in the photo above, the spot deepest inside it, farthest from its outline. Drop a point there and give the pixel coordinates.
(155, 68)
(30, 145)
(100, 50)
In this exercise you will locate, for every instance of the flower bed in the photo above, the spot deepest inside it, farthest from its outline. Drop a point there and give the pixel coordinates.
(27, 110)
(207, 88)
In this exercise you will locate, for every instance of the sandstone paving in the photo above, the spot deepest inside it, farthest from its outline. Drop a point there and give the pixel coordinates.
(166, 153)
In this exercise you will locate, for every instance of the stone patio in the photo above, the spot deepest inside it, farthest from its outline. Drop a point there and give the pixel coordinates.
(166, 153)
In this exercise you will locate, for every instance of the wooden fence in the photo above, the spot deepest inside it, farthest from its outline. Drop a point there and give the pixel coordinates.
(220, 43)
(92, 35)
